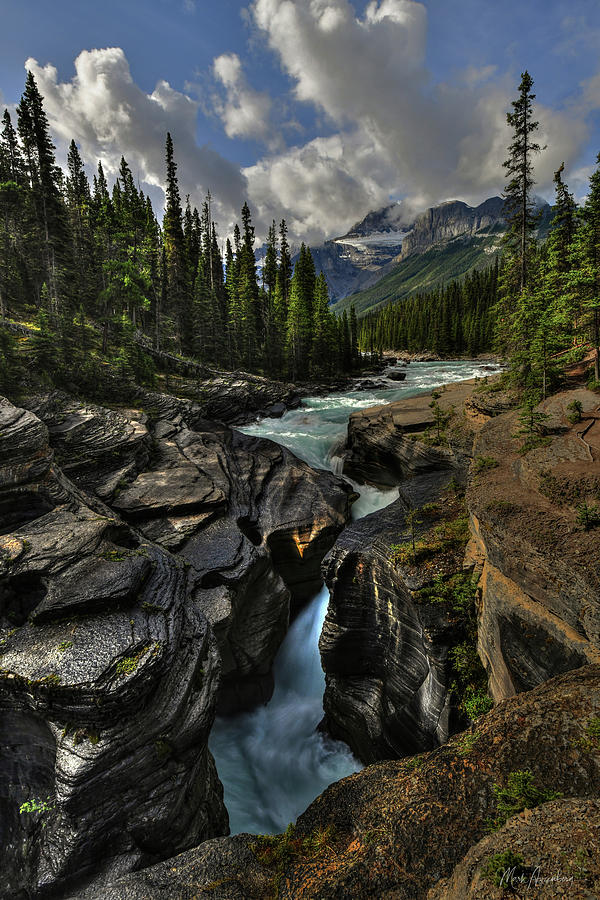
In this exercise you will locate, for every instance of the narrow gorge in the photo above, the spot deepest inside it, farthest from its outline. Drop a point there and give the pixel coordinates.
(160, 569)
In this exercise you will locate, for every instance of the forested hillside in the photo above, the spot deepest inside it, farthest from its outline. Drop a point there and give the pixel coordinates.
(103, 287)
(539, 305)
(456, 319)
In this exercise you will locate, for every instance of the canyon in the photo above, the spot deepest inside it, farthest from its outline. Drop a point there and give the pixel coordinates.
(151, 560)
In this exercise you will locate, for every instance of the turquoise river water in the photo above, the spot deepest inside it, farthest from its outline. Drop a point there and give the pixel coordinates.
(272, 761)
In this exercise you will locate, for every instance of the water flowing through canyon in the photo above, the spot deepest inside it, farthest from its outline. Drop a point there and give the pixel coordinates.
(272, 761)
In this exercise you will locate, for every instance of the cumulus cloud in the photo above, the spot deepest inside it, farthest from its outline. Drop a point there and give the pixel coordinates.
(244, 111)
(397, 133)
(388, 130)
(108, 115)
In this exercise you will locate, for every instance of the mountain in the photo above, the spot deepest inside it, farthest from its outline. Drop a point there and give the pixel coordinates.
(361, 257)
(443, 243)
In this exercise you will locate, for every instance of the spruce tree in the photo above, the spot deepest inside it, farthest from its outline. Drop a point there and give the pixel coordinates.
(178, 286)
(590, 236)
(518, 206)
(285, 263)
(44, 178)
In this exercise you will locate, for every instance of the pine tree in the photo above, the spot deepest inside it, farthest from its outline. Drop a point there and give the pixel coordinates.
(518, 206)
(178, 288)
(79, 202)
(12, 166)
(285, 263)
(44, 178)
(12, 207)
(270, 264)
(590, 238)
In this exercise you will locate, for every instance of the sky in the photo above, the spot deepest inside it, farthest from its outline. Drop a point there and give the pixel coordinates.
(318, 111)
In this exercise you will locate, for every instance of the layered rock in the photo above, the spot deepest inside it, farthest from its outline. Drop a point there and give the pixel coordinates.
(385, 443)
(108, 683)
(250, 521)
(540, 581)
(385, 654)
(396, 828)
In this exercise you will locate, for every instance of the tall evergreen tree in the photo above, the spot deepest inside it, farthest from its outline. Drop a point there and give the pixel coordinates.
(285, 263)
(518, 206)
(178, 284)
(44, 177)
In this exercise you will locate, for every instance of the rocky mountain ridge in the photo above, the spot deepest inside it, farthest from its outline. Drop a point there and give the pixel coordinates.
(375, 245)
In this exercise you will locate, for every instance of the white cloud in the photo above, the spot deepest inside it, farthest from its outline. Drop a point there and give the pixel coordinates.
(244, 111)
(397, 134)
(109, 116)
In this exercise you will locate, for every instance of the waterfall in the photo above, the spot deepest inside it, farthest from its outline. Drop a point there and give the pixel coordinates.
(272, 761)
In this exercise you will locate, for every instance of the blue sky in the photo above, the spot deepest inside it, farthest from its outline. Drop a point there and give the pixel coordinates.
(319, 110)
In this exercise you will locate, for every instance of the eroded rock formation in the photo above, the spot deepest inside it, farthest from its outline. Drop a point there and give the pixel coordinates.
(396, 828)
(250, 521)
(383, 445)
(540, 581)
(108, 682)
(111, 580)
(385, 655)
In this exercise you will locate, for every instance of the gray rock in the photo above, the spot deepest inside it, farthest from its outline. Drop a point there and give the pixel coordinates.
(108, 684)
(385, 656)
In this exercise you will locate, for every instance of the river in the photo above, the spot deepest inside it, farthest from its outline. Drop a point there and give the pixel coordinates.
(272, 761)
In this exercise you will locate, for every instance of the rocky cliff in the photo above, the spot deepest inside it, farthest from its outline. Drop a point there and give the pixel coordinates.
(451, 220)
(385, 655)
(250, 522)
(147, 571)
(108, 683)
(384, 649)
(396, 828)
(389, 444)
(540, 567)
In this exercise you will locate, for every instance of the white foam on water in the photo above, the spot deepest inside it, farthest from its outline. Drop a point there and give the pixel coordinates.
(272, 761)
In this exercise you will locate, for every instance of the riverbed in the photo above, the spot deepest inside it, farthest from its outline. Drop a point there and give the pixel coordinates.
(272, 761)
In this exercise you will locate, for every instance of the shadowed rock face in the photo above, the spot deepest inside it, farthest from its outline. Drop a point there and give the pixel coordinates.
(385, 656)
(540, 581)
(396, 828)
(383, 446)
(108, 682)
(250, 521)
(109, 667)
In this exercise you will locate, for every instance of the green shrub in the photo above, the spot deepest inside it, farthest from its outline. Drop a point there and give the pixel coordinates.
(483, 463)
(36, 805)
(588, 515)
(575, 408)
(504, 868)
(477, 703)
(457, 592)
(532, 427)
(519, 793)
